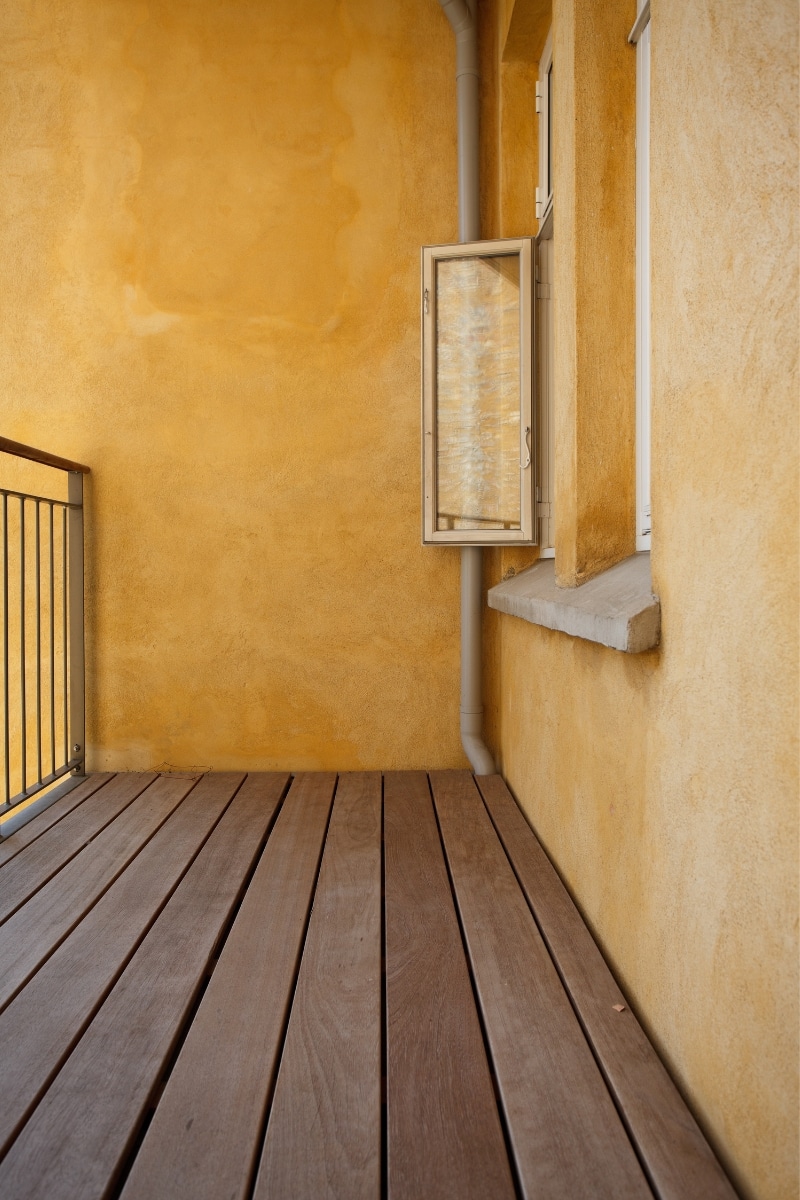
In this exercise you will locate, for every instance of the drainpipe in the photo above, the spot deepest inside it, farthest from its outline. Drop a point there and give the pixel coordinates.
(463, 17)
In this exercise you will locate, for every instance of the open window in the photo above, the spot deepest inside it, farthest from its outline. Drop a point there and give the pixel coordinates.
(543, 312)
(478, 438)
(545, 395)
(544, 107)
(640, 37)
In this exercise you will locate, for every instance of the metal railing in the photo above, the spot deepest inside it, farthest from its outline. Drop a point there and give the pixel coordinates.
(43, 695)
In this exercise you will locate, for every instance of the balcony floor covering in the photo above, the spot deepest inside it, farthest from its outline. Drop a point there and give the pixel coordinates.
(274, 986)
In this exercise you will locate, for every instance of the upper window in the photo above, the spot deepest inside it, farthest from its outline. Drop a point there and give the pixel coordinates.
(544, 107)
(544, 375)
(640, 35)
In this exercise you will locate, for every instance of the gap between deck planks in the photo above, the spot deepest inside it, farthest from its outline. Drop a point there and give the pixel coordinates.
(31, 934)
(77, 1138)
(38, 862)
(445, 1137)
(33, 829)
(120, 1084)
(43, 1022)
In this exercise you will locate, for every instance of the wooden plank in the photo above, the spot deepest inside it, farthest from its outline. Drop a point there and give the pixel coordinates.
(77, 1139)
(676, 1156)
(324, 1133)
(78, 1136)
(45, 1020)
(45, 857)
(229, 1059)
(11, 846)
(564, 1131)
(33, 932)
(444, 1133)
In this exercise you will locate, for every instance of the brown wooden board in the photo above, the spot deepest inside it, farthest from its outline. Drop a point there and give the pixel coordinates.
(40, 861)
(41, 456)
(205, 1133)
(34, 931)
(74, 1143)
(44, 1021)
(48, 817)
(565, 1133)
(324, 1131)
(676, 1156)
(445, 1139)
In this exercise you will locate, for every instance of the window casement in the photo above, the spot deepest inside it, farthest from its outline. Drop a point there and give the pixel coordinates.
(477, 419)
(544, 107)
(544, 406)
(640, 36)
(543, 311)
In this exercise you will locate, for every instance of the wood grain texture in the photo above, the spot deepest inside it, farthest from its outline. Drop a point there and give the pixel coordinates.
(324, 1133)
(565, 1134)
(44, 1021)
(73, 1144)
(679, 1161)
(43, 858)
(33, 932)
(204, 1136)
(48, 817)
(444, 1134)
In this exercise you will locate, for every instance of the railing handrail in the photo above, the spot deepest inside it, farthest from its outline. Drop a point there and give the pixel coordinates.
(41, 456)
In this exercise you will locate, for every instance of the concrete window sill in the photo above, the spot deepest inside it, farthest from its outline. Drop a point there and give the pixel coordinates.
(616, 609)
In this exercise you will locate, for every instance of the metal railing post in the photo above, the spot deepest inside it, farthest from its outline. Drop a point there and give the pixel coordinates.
(77, 669)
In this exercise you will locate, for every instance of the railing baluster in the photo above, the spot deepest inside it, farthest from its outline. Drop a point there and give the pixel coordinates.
(38, 649)
(52, 648)
(64, 627)
(39, 583)
(7, 763)
(23, 697)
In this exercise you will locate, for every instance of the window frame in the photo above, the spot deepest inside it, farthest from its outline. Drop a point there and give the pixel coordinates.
(640, 38)
(544, 108)
(544, 395)
(526, 535)
(544, 405)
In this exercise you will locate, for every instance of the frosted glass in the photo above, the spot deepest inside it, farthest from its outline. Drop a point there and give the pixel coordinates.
(478, 393)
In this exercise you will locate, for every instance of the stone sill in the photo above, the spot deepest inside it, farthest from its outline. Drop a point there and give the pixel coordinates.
(616, 609)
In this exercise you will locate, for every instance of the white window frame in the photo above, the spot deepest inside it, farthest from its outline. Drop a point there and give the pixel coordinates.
(640, 37)
(545, 407)
(526, 534)
(544, 107)
(543, 311)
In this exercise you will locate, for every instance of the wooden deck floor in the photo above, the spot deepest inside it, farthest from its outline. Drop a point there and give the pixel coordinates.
(257, 986)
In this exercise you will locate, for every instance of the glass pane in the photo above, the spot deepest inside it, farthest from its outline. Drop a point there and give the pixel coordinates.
(478, 393)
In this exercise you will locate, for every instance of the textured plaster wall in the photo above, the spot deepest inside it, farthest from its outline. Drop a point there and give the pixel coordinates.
(665, 786)
(212, 213)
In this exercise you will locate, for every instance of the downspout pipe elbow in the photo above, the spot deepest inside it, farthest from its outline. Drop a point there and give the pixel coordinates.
(475, 748)
(465, 28)
(458, 14)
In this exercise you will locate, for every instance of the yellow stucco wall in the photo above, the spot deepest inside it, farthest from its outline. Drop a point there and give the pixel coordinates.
(665, 786)
(212, 214)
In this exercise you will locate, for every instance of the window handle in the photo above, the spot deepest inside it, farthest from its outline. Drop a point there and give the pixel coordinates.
(524, 465)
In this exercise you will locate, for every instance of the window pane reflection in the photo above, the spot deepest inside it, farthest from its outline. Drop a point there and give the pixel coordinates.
(478, 393)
